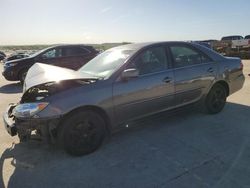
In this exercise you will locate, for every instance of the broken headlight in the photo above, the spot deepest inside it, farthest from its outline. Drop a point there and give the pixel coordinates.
(27, 110)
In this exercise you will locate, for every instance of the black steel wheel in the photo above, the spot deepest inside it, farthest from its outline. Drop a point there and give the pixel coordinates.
(82, 133)
(216, 99)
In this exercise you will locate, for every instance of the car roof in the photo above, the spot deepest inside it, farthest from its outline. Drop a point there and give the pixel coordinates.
(70, 45)
(138, 46)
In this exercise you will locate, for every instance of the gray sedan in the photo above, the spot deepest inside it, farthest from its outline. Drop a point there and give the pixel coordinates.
(77, 109)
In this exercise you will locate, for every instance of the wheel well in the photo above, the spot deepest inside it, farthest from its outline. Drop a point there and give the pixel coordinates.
(96, 109)
(224, 84)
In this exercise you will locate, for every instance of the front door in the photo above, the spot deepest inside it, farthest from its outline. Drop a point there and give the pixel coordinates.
(52, 57)
(151, 92)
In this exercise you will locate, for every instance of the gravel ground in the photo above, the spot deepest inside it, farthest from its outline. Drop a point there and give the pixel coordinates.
(185, 149)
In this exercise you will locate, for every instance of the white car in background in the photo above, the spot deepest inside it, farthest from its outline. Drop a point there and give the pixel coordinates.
(238, 41)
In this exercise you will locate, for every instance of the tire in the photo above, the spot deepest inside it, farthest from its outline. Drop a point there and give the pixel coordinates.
(216, 99)
(82, 133)
(22, 75)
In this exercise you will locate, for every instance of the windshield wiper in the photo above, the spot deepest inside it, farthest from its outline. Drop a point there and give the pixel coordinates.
(96, 77)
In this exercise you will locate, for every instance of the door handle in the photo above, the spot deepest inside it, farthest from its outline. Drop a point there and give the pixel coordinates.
(210, 70)
(167, 79)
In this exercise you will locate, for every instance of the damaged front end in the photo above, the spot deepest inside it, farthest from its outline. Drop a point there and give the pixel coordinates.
(23, 119)
(28, 127)
(35, 116)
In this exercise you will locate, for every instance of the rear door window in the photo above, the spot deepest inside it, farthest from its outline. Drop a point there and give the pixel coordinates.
(186, 56)
(75, 51)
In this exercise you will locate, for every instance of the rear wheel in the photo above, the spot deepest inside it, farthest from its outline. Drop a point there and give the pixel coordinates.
(82, 133)
(216, 99)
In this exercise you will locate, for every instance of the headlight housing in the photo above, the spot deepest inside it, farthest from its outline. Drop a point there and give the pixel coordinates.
(10, 64)
(28, 110)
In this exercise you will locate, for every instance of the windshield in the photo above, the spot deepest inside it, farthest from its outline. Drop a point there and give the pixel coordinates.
(39, 52)
(105, 64)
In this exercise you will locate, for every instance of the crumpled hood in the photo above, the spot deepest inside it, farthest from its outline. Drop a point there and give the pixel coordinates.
(42, 73)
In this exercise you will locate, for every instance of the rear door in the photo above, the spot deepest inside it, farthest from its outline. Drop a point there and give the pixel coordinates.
(52, 56)
(76, 56)
(151, 92)
(194, 73)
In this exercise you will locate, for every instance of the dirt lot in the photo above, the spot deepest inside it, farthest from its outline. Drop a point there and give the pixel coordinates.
(187, 149)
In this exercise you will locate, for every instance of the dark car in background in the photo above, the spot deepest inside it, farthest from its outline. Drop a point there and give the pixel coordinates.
(16, 56)
(2, 56)
(68, 56)
(78, 108)
(247, 37)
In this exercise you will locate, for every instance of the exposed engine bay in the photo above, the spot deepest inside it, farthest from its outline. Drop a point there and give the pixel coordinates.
(42, 91)
(34, 128)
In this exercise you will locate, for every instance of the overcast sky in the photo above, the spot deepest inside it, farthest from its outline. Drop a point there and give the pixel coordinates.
(98, 21)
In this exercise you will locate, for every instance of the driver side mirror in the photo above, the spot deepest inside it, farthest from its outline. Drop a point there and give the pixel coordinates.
(129, 73)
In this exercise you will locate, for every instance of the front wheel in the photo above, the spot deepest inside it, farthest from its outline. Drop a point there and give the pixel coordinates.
(82, 133)
(216, 99)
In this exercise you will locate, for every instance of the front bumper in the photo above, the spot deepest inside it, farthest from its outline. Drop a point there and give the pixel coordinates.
(42, 129)
(9, 75)
(8, 121)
